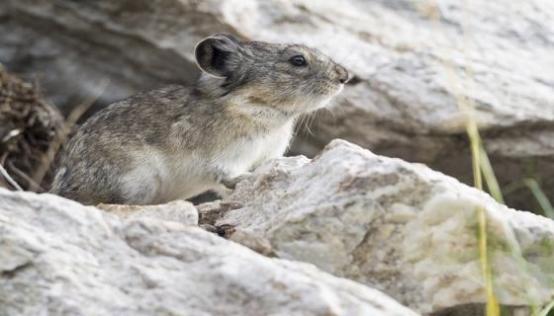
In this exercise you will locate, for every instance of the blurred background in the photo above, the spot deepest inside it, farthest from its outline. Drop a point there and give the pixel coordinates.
(426, 73)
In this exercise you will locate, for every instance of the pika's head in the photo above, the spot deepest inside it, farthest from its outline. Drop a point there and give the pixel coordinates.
(291, 78)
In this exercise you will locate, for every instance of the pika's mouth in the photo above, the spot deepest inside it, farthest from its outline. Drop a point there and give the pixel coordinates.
(329, 89)
(339, 89)
(322, 96)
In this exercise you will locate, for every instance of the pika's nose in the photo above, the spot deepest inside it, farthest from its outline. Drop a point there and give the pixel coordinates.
(342, 74)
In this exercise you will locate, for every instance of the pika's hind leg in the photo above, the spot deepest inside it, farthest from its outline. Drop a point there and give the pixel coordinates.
(87, 183)
(141, 185)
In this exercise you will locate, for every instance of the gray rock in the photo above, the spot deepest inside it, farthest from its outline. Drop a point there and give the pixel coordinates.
(402, 228)
(177, 211)
(61, 258)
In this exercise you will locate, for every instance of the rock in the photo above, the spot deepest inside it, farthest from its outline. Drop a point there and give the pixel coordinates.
(61, 258)
(412, 64)
(402, 228)
(177, 211)
(131, 45)
(252, 241)
(210, 212)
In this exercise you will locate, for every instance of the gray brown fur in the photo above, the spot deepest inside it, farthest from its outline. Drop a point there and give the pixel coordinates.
(178, 141)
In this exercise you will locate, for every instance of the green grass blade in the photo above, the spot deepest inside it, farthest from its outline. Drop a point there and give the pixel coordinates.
(490, 178)
(540, 196)
(545, 311)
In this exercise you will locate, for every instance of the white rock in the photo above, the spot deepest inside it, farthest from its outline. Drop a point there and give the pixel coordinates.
(401, 228)
(178, 211)
(61, 258)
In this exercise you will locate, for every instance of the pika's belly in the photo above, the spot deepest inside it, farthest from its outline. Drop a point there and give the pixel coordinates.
(187, 177)
(158, 177)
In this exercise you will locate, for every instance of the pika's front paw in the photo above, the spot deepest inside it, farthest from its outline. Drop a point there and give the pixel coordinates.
(231, 183)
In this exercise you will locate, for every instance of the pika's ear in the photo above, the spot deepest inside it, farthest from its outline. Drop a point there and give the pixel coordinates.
(214, 53)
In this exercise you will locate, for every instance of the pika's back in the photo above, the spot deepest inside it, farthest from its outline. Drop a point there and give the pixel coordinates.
(141, 119)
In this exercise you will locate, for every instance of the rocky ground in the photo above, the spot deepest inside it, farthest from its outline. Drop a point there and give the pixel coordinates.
(61, 258)
(346, 233)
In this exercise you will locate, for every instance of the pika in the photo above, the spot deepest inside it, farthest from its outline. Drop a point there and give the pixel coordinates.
(177, 142)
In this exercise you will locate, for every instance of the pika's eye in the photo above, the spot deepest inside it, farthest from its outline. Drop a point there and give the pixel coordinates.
(298, 61)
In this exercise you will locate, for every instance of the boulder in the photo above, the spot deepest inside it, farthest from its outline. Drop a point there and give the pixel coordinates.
(402, 228)
(417, 65)
(61, 258)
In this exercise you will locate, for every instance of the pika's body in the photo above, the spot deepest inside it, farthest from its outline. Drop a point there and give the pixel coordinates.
(177, 142)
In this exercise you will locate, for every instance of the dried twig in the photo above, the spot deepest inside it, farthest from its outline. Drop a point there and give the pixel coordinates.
(8, 178)
(32, 185)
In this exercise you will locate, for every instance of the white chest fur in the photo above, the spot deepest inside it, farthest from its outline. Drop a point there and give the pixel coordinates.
(245, 154)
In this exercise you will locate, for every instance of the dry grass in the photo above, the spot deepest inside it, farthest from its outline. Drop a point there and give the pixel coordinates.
(32, 133)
